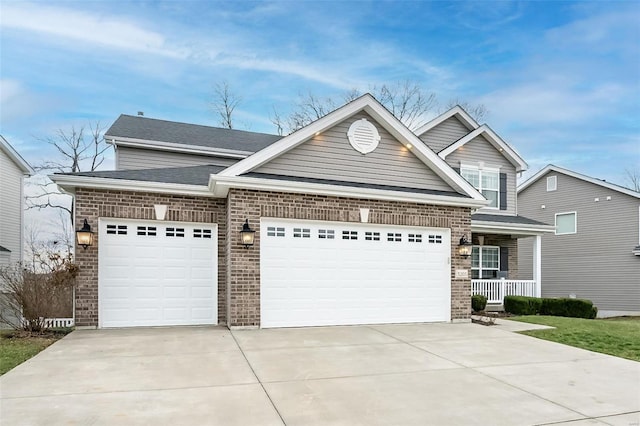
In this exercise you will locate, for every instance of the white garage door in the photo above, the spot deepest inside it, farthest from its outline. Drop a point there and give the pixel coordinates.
(329, 273)
(157, 273)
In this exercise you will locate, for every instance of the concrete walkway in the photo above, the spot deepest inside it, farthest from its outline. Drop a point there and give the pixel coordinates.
(420, 374)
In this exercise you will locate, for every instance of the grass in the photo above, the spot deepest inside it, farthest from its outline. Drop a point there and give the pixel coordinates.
(16, 347)
(615, 336)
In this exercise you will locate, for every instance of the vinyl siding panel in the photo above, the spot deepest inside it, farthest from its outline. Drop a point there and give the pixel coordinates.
(137, 158)
(444, 134)
(480, 150)
(11, 180)
(595, 263)
(331, 156)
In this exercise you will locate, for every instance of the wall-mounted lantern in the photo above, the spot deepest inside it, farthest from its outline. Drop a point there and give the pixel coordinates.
(464, 248)
(247, 235)
(84, 235)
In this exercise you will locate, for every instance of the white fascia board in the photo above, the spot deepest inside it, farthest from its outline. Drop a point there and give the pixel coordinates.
(510, 228)
(220, 185)
(503, 147)
(70, 183)
(457, 111)
(384, 118)
(552, 168)
(22, 164)
(176, 147)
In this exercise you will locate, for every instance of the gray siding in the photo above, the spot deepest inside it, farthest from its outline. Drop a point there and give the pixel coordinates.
(444, 134)
(479, 149)
(11, 180)
(595, 263)
(330, 156)
(137, 158)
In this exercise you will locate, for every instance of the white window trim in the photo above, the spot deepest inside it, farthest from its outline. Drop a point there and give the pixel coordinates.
(553, 179)
(480, 268)
(480, 168)
(575, 223)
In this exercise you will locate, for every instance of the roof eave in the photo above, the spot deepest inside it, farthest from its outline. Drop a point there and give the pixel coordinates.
(510, 228)
(174, 147)
(220, 186)
(69, 183)
(17, 159)
(458, 112)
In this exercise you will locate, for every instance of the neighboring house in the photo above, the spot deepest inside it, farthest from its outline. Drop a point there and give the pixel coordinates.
(595, 251)
(13, 170)
(356, 220)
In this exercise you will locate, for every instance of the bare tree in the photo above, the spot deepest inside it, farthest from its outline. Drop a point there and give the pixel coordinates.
(277, 121)
(478, 111)
(77, 150)
(632, 177)
(406, 100)
(225, 103)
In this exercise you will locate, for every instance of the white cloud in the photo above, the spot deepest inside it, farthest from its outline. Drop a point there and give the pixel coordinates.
(85, 28)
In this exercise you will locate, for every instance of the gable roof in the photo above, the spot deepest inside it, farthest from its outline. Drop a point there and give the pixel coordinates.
(552, 168)
(382, 116)
(458, 112)
(15, 157)
(146, 132)
(504, 148)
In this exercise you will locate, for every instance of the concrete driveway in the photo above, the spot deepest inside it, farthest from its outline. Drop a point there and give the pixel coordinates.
(422, 374)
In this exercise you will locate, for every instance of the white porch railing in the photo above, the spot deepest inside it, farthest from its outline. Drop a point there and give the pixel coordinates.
(496, 290)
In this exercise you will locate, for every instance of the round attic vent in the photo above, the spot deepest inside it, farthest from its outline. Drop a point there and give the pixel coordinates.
(363, 136)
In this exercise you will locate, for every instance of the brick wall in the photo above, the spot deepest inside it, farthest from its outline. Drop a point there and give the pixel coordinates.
(92, 204)
(243, 268)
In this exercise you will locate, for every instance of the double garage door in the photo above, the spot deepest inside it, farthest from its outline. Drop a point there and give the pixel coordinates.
(153, 273)
(312, 273)
(328, 273)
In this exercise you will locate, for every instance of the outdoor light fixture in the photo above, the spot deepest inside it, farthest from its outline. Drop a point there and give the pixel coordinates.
(464, 248)
(84, 235)
(247, 235)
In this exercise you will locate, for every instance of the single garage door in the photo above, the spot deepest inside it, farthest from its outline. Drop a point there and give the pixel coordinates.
(329, 273)
(155, 273)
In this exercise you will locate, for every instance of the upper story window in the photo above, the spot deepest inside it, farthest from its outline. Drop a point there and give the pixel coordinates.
(487, 182)
(566, 223)
(552, 183)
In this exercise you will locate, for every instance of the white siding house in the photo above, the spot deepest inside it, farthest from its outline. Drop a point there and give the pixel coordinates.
(13, 169)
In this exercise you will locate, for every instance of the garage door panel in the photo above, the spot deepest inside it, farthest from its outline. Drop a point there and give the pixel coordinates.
(316, 281)
(161, 279)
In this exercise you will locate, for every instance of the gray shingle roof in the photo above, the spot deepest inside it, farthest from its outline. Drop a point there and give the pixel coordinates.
(353, 184)
(193, 175)
(519, 220)
(151, 129)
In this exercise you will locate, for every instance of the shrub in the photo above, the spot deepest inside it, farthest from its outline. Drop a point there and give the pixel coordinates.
(522, 305)
(478, 302)
(566, 307)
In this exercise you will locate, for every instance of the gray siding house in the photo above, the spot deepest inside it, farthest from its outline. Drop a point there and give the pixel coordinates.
(353, 219)
(13, 170)
(594, 253)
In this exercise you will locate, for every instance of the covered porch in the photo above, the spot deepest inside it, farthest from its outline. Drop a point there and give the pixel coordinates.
(494, 256)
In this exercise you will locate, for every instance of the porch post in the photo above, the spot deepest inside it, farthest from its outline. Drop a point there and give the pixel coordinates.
(537, 264)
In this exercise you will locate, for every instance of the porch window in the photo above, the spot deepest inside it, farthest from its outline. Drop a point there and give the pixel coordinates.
(487, 182)
(485, 262)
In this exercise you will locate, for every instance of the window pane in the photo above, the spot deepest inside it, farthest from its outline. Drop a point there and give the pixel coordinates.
(475, 257)
(566, 223)
(491, 180)
(472, 176)
(475, 274)
(490, 258)
(492, 196)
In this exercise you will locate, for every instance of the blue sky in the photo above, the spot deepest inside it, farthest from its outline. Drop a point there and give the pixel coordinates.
(561, 79)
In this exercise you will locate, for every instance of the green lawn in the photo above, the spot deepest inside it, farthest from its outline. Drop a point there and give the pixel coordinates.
(617, 336)
(16, 349)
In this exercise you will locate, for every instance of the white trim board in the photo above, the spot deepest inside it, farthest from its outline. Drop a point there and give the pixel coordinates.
(496, 141)
(458, 112)
(175, 147)
(383, 117)
(576, 175)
